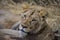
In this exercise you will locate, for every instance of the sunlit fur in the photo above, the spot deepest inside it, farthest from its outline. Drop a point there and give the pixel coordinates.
(33, 20)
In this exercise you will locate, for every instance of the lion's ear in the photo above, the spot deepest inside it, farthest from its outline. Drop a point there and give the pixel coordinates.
(43, 13)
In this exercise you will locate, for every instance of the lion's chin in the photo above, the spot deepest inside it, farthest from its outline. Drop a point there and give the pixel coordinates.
(22, 34)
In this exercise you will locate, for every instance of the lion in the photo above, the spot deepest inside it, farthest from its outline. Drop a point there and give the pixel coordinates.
(33, 23)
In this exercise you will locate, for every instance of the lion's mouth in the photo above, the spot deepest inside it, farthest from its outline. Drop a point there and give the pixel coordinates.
(23, 29)
(24, 26)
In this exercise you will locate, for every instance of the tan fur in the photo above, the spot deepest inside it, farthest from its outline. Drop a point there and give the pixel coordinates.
(40, 25)
(46, 33)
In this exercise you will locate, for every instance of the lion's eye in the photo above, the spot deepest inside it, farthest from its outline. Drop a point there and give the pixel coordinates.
(43, 16)
(33, 20)
(24, 16)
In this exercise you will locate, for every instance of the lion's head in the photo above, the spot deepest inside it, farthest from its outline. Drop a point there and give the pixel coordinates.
(33, 19)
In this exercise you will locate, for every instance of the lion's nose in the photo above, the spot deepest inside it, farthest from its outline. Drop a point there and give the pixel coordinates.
(24, 26)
